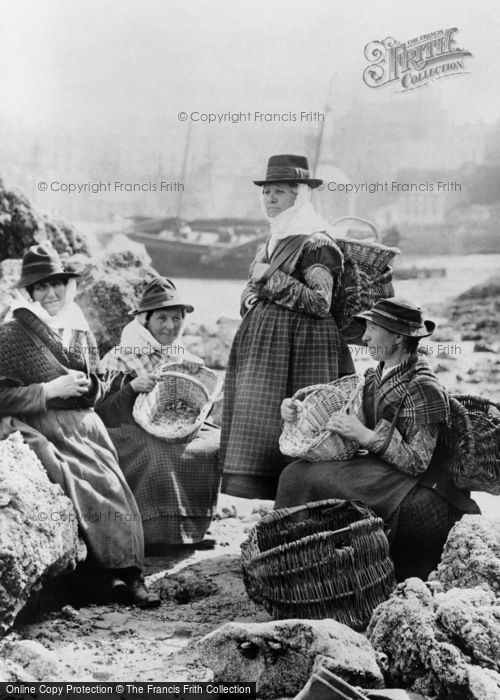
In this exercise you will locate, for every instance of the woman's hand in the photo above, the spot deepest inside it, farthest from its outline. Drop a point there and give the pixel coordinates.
(144, 383)
(350, 427)
(288, 410)
(259, 269)
(74, 383)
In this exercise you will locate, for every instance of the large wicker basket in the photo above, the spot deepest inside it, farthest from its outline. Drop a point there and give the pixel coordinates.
(324, 559)
(367, 274)
(307, 437)
(155, 411)
(473, 443)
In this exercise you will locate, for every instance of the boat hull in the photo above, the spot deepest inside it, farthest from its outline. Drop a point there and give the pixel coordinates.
(179, 259)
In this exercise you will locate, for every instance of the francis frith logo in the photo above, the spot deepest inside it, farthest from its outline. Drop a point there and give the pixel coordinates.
(414, 63)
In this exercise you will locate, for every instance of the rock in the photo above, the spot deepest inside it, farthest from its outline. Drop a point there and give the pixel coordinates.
(212, 343)
(483, 347)
(471, 618)
(28, 660)
(471, 336)
(109, 288)
(34, 545)
(489, 288)
(483, 684)
(10, 272)
(280, 656)
(418, 657)
(471, 555)
(22, 226)
(186, 586)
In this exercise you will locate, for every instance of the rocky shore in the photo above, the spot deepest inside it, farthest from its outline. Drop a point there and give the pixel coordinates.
(440, 638)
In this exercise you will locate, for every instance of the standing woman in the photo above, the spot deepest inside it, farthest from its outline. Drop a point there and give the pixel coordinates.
(288, 338)
(48, 380)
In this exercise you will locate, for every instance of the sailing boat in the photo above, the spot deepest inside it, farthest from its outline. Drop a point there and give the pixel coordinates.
(203, 248)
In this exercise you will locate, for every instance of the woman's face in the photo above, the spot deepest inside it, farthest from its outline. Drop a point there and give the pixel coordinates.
(165, 325)
(382, 344)
(50, 295)
(278, 197)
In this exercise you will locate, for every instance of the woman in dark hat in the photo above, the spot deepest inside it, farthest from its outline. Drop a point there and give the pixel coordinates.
(48, 386)
(404, 408)
(288, 338)
(175, 485)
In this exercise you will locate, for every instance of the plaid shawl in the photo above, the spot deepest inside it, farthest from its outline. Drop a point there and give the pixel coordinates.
(139, 352)
(425, 401)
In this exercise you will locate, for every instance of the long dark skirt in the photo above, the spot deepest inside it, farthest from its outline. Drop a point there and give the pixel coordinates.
(275, 352)
(418, 519)
(175, 485)
(75, 449)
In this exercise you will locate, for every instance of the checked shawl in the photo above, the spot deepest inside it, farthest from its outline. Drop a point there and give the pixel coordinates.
(424, 400)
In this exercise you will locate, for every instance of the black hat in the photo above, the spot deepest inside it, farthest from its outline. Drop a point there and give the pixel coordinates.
(289, 168)
(398, 316)
(160, 293)
(42, 263)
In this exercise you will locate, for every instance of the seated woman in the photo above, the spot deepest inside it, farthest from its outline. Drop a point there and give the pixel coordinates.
(48, 386)
(404, 409)
(176, 485)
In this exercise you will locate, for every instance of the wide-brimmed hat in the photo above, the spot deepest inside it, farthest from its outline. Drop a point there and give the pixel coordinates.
(42, 263)
(399, 316)
(160, 293)
(289, 168)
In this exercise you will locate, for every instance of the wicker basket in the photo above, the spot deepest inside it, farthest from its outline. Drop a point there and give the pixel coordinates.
(306, 437)
(473, 443)
(211, 380)
(174, 387)
(324, 559)
(367, 274)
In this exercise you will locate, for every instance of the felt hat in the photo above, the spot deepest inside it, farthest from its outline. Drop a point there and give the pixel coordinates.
(160, 293)
(288, 168)
(399, 316)
(42, 263)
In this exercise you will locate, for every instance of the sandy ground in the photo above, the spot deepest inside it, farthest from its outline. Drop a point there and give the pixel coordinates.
(115, 643)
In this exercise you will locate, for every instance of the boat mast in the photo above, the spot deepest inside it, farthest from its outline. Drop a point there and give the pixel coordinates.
(319, 141)
(184, 170)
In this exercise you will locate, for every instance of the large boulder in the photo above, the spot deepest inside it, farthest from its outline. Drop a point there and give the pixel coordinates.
(22, 226)
(471, 555)
(280, 656)
(108, 289)
(38, 528)
(434, 641)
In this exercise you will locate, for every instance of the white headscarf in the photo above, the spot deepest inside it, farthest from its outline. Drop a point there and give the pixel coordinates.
(300, 219)
(70, 318)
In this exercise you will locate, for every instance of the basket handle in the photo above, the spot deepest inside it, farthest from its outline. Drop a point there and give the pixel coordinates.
(354, 395)
(374, 229)
(196, 382)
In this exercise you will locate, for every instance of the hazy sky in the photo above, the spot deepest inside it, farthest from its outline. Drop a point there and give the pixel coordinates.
(134, 64)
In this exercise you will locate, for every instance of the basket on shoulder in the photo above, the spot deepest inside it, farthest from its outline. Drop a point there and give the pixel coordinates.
(307, 436)
(179, 403)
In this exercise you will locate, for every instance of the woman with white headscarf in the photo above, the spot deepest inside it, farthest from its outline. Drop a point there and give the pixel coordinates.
(288, 338)
(48, 388)
(175, 485)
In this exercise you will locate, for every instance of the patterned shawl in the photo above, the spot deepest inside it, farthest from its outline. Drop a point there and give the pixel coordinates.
(139, 352)
(414, 384)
